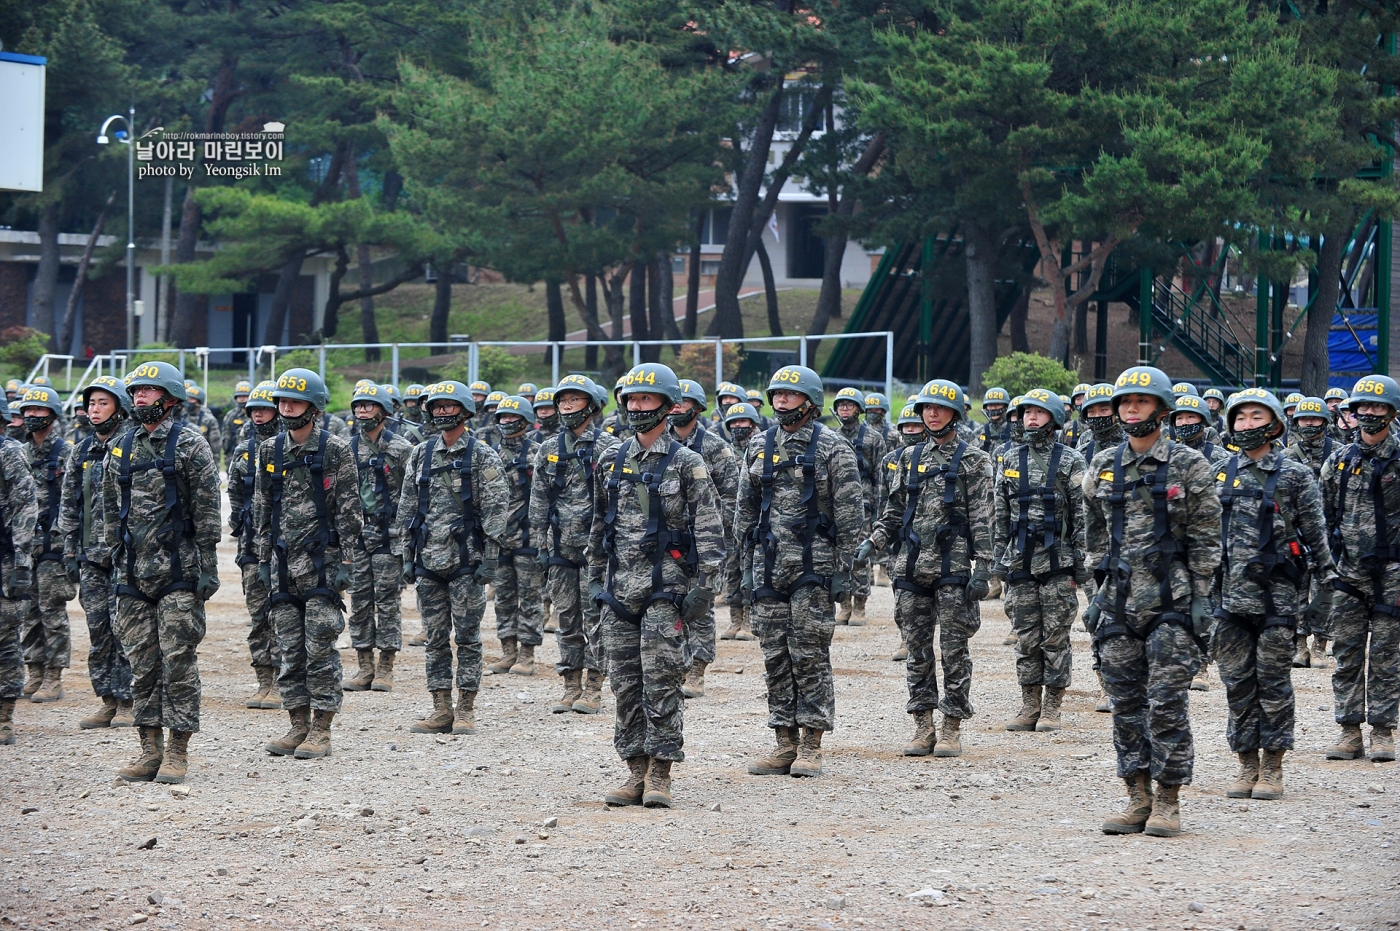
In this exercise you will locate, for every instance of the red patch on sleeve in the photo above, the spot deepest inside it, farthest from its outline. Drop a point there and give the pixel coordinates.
(327, 483)
(1173, 491)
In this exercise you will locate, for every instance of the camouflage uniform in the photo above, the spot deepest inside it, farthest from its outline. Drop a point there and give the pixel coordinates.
(411, 430)
(234, 429)
(1313, 453)
(1253, 637)
(562, 485)
(1214, 452)
(19, 511)
(160, 627)
(208, 426)
(869, 445)
(1147, 670)
(937, 579)
(376, 612)
(519, 612)
(990, 435)
(723, 469)
(795, 627)
(336, 424)
(303, 609)
(647, 647)
(243, 472)
(1040, 596)
(80, 524)
(1365, 620)
(46, 635)
(451, 600)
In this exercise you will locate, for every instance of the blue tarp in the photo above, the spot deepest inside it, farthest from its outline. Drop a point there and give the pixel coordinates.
(1346, 360)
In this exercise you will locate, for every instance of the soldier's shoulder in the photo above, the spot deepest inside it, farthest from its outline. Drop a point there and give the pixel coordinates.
(690, 463)
(400, 444)
(339, 444)
(1071, 459)
(1103, 459)
(1295, 472)
(975, 457)
(190, 440)
(607, 440)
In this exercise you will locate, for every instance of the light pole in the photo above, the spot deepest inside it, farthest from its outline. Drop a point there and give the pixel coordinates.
(127, 136)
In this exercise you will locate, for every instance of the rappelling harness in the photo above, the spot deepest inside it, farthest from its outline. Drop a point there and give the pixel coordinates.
(325, 536)
(1267, 563)
(376, 465)
(1051, 531)
(466, 530)
(570, 448)
(945, 535)
(178, 525)
(1383, 552)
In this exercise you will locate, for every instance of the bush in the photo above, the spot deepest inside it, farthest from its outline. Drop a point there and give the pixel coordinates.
(310, 359)
(23, 346)
(697, 362)
(1022, 371)
(494, 365)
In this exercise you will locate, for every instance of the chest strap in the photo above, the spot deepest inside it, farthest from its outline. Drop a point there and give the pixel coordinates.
(660, 539)
(384, 492)
(1052, 530)
(178, 526)
(815, 521)
(466, 529)
(316, 545)
(570, 448)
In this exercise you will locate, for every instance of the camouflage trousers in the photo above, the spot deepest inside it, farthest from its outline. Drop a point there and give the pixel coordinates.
(1319, 624)
(307, 629)
(1366, 646)
(1041, 615)
(580, 623)
(262, 639)
(1257, 669)
(452, 610)
(46, 635)
(1147, 682)
(107, 666)
(376, 604)
(647, 660)
(161, 641)
(733, 574)
(12, 613)
(519, 611)
(956, 620)
(860, 575)
(702, 637)
(795, 638)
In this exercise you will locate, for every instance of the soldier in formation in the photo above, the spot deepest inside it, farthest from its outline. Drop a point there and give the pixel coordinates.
(234, 427)
(19, 512)
(243, 471)
(869, 446)
(519, 611)
(160, 515)
(47, 638)
(740, 420)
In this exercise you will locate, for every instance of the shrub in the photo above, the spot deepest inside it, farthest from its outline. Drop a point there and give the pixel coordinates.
(23, 346)
(697, 362)
(1022, 371)
(494, 365)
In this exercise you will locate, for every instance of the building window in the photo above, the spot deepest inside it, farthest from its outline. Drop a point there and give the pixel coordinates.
(709, 268)
(797, 101)
(716, 228)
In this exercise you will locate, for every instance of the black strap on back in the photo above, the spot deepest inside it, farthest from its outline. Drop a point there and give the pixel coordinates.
(1384, 552)
(243, 522)
(48, 517)
(384, 492)
(955, 526)
(524, 467)
(862, 467)
(86, 453)
(908, 539)
(570, 448)
(814, 522)
(990, 439)
(1165, 549)
(466, 530)
(317, 545)
(1050, 525)
(660, 539)
(177, 526)
(1266, 563)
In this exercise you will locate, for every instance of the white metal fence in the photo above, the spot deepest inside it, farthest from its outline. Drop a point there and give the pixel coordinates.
(116, 362)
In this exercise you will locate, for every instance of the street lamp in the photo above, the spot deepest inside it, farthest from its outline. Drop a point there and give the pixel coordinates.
(126, 136)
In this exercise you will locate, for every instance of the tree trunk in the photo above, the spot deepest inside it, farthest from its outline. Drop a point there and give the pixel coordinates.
(369, 326)
(1329, 270)
(980, 248)
(770, 291)
(554, 301)
(612, 294)
(442, 306)
(729, 320)
(281, 300)
(163, 285)
(1081, 328)
(666, 284)
(46, 276)
(637, 304)
(70, 313)
(1019, 341)
(692, 280)
(188, 306)
(590, 302)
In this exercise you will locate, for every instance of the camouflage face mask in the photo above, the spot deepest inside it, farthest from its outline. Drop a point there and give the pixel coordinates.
(741, 434)
(1310, 432)
(1188, 432)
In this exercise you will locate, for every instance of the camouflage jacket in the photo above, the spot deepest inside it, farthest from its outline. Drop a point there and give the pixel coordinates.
(1090, 446)
(1299, 535)
(19, 504)
(1352, 516)
(1213, 451)
(54, 451)
(540, 434)
(1313, 453)
(574, 498)
(971, 512)
(990, 435)
(147, 563)
(722, 465)
(686, 496)
(614, 426)
(208, 426)
(80, 514)
(298, 521)
(242, 487)
(441, 546)
(968, 430)
(336, 424)
(411, 430)
(518, 461)
(231, 430)
(490, 435)
(869, 445)
(1193, 520)
(1067, 519)
(380, 466)
(839, 501)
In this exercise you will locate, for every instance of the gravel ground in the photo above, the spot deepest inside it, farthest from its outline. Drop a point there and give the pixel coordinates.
(507, 827)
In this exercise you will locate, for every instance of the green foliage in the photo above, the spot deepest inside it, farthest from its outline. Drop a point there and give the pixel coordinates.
(697, 362)
(310, 359)
(23, 346)
(495, 366)
(1022, 371)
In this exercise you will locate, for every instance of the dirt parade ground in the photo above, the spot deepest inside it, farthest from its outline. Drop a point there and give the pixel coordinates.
(507, 828)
